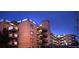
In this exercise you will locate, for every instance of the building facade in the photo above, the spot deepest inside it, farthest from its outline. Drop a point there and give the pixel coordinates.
(3, 34)
(27, 34)
(43, 31)
(24, 34)
(8, 34)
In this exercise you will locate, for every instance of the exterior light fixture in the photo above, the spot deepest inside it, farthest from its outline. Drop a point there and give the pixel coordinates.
(11, 24)
(16, 28)
(10, 28)
(40, 31)
(32, 33)
(15, 43)
(15, 35)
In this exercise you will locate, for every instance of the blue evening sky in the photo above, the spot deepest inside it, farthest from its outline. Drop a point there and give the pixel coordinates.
(61, 22)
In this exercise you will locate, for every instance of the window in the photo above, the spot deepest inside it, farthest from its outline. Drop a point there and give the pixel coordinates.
(15, 35)
(10, 35)
(10, 28)
(40, 31)
(16, 28)
(15, 43)
(32, 33)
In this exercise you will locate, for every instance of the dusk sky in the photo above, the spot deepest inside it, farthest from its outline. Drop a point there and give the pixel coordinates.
(61, 22)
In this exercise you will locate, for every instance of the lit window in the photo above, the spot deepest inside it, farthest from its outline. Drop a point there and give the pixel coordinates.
(10, 28)
(66, 43)
(40, 31)
(62, 41)
(40, 35)
(16, 28)
(32, 33)
(10, 35)
(15, 35)
(15, 43)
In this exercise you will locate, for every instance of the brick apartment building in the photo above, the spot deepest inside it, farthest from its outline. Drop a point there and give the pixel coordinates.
(8, 34)
(27, 34)
(43, 31)
(46, 25)
(23, 34)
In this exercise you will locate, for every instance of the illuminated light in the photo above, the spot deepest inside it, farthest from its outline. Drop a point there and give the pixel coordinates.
(40, 35)
(24, 19)
(70, 43)
(66, 43)
(16, 28)
(11, 24)
(10, 35)
(15, 42)
(62, 44)
(15, 35)
(40, 30)
(59, 35)
(41, 25)
(32, 33)
(62, 41)
(10, 28)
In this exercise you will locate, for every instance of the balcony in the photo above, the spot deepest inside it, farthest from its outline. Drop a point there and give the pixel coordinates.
(13, 29)
(13, 35)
